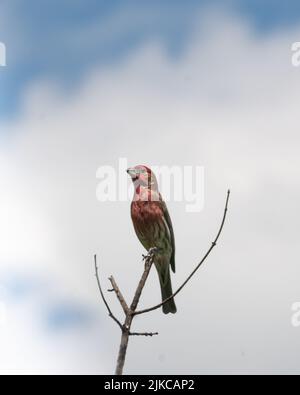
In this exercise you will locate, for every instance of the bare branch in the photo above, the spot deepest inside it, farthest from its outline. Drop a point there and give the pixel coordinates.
(119, 295)
(130, 312)
(214, 243)
(129, 317)
(148, 264)
(103, 297)
(143, 334)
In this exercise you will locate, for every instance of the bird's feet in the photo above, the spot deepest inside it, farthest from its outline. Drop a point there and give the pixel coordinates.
(151, 253)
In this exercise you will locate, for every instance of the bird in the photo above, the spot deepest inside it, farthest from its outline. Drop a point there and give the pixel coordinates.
(153, 227)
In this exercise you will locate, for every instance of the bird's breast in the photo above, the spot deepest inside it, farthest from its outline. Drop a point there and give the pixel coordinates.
(146, 211)
(146, 217)
(149, 224)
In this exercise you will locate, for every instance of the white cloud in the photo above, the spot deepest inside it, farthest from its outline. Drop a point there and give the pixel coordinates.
(229, 104)
(25, 349)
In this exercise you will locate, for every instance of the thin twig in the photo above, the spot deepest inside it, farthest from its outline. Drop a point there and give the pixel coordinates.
(103, 297)
(214, 243)
(143, 334)
(119, 295)
(148, 264)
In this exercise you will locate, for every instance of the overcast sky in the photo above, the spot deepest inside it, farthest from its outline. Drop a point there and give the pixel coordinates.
(158, 84)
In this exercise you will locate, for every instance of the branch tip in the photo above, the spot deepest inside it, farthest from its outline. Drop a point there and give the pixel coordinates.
(197, 267)
(102, 294)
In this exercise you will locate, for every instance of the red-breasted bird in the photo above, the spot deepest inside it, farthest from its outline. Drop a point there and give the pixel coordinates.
(153, 227)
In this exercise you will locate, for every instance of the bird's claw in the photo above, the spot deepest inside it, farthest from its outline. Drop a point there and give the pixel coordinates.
(151, 253)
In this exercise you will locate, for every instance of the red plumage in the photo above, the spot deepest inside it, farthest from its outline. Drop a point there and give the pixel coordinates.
(153, 227)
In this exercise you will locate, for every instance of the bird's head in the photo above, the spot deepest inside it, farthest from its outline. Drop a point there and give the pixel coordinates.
(142, 176)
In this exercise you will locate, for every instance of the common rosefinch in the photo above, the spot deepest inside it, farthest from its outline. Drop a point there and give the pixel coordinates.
(153, 227)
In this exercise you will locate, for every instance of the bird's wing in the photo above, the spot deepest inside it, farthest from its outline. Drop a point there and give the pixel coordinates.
(167, 218)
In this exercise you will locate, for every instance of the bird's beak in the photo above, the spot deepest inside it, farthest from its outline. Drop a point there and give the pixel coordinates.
(132, 172)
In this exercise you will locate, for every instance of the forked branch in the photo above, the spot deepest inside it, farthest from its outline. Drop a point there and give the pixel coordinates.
(131, 312)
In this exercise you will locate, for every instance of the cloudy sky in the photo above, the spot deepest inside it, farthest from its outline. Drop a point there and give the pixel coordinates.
(161, 83)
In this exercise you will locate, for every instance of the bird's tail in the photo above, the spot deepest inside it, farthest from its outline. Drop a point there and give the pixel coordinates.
(166, 290)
